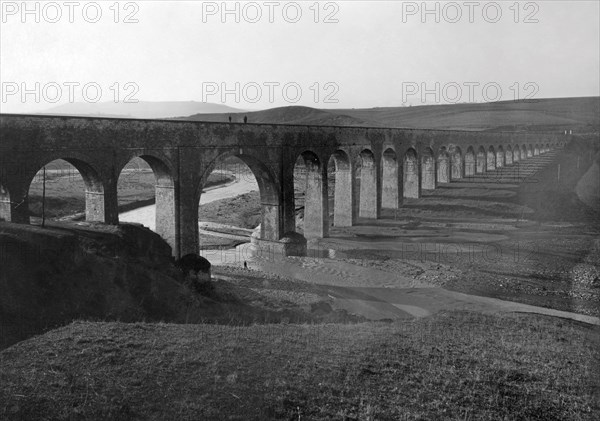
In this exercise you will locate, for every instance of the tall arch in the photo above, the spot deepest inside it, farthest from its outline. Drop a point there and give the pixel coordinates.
(470, 162)
(411, 174)
(536, 150)
(315, 198)
(481, 160)
(500, 157)
(523, 152)
(530, 151)
(508, 155)
(456, 164)
(491, 159)
(427, 170)
(342, 184)
(390, 188)
(443, 166)
(5, 205)
(164, 194)
(367, 206)
(547, 147)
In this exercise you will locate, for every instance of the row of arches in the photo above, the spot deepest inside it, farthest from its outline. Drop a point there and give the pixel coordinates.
(349, 185)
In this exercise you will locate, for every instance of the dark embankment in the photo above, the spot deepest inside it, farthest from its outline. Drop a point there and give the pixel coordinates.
(50, 277)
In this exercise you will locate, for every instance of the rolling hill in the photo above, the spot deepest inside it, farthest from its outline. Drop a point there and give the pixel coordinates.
(552, 114)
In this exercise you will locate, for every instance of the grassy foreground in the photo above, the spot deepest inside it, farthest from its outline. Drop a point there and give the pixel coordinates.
(460, 366)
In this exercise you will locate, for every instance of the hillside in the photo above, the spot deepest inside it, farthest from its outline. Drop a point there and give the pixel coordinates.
(553, 114)
(141, 109)
(288, 115)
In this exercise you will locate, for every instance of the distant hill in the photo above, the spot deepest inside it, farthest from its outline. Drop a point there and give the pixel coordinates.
(142, 109)
(553, 114)
(287, 115)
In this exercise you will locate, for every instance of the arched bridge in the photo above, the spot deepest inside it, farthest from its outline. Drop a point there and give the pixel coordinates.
(375, 167)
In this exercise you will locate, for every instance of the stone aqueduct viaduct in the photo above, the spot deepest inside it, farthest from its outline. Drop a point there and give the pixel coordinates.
(375, 167)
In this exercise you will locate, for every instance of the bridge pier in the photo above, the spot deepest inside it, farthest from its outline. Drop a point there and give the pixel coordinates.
(369, 186)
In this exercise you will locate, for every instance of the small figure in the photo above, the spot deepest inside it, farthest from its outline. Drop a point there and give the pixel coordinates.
(245, 119)
(230, 119)
(245, 265)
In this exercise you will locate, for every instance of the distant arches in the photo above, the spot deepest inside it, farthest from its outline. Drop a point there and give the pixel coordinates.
(368, 185)
(443, 166)
(411, 174)
(491, 159)
(427, 169)
(457, 169)
(481, 160)
(508, 155)
(342, 182)
(500, 157)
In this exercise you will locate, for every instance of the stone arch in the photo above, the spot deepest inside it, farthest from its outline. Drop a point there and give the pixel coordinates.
(516, 154)
(342, 182)
(93, 185)
(500, 157)
(508, 155)
(536, 150)
(5, 204)
(530, 151)
(164, 194)
(481, 161)
(367, 198)
(470, 162)
(267, 187)
(411, 174)
(443, 166)
(427, 169)
(523, 152)
(456, 164)
(315, 198)
(547, 147)
(390, 182)
(491, 159)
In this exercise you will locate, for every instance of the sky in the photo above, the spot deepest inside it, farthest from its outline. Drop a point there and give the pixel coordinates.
(342, 54)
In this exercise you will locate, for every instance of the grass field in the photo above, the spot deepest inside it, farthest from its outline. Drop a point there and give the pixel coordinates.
(453, 366)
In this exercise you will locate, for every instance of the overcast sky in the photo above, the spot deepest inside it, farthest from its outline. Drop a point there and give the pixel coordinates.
(369, 54)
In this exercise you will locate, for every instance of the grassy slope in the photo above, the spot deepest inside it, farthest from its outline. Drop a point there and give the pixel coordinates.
(453, 366)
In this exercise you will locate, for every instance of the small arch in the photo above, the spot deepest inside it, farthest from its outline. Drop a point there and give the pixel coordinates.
(523, 152)
(341, 185)
(456, 162)
(427, 170)
(500, 157)
(547, 147)
(443, 166)
(470, 162)
(411, 174)
(530, 151)
(491, 159)
(536, 150)
(390, 182)
(481, 161)
(367, 179)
